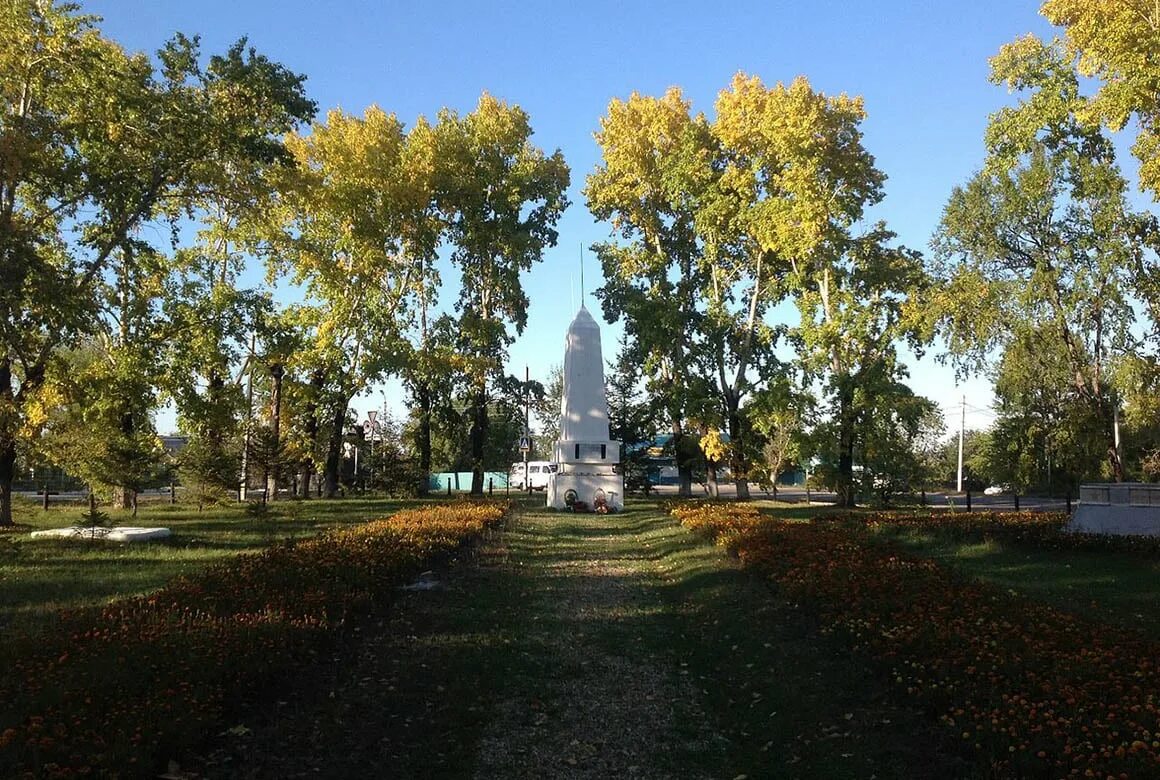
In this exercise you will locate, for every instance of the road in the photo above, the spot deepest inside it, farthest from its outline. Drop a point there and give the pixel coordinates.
(934, 500)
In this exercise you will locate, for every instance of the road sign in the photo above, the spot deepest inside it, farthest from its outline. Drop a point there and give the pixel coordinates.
(525, 445)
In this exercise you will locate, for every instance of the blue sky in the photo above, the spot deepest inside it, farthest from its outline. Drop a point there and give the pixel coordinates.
(921, 67)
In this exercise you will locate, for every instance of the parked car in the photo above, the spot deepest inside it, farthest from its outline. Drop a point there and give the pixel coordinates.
(996, 490)
(537, 476)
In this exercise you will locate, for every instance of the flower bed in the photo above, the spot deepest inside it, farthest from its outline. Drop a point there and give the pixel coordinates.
(1028, 690)
(119, 692)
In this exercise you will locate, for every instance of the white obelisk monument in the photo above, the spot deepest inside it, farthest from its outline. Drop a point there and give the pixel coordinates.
(585, 456)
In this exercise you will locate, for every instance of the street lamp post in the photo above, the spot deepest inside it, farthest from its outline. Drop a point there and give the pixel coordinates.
(357, 443)
(372, 415)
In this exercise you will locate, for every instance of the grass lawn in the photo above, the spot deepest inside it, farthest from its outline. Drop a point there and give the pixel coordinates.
(591, 646)
(40, 576)
(1118, 588)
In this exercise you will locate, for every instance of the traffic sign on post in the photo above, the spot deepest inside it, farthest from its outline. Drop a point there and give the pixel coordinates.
(525, 444)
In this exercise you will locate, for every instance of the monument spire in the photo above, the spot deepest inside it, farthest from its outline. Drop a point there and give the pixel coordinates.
(586, 459)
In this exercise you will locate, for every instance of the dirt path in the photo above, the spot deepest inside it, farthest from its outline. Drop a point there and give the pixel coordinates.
(608, 706)
(585, 646)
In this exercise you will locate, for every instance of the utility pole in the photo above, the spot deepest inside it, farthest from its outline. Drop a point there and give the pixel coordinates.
(1116, 433)
(244, 483)
(962, 427)
(527, 430)
(372, 415)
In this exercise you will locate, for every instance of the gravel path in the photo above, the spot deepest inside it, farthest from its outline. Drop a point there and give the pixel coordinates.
(612, 709)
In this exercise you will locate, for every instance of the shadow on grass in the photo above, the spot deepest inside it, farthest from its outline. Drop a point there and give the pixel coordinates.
(1120, 589)
(762, 693)
(39, 576)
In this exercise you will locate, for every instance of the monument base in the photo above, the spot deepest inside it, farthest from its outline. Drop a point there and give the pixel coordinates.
(1115, 520)
(586, 484)
(1119, 509)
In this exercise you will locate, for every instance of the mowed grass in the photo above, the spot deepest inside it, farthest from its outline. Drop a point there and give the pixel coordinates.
(38, 577)
(1117, 588)
(471, 680)
(1120, 588)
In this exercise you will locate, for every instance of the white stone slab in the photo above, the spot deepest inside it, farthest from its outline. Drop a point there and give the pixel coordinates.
(1115, 520)
(119, 534)
(1117, 509)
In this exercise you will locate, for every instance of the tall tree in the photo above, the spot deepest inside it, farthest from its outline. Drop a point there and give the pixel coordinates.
(430, 362)
(1043, 238)
(857, 298)
(797, 160)
(502, 197)
(725, 219)
(338, 225)
(796, 178)
(96, 145)
(653, 151)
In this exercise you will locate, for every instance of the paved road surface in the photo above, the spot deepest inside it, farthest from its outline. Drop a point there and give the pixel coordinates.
(958, 500)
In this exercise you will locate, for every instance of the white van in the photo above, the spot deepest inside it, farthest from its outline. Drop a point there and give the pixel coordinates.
(537, 477)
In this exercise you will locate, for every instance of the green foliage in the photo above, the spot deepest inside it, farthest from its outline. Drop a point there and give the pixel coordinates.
(655, 165)
(102, 145)
(896, 452)
(1043, 241)
(99, 429)
(729, 217)
(501, 197)
(259, 511)
(94, 521)
(1046, 435)
(1115, 43)
(631, 420)
(209, 469)
(392, 472)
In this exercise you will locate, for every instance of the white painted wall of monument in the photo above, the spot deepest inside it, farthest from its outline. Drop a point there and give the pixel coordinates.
(1120, 508)
(585, 455)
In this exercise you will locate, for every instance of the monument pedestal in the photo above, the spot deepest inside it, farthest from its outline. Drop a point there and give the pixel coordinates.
(1117, 508)
(588, 486)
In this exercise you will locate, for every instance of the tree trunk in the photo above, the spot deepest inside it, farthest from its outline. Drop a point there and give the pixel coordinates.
(7, 476)
(479, 423)
(684, 469)
(711, 479)
(423, 395)
(846, 492)
(123, 494)
(1117, 466)
(737, 460)
(311, 430)
(277, 372)
(334, 451)
(8, 445)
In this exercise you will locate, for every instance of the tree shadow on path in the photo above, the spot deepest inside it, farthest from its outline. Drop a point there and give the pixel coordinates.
(580, 646)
